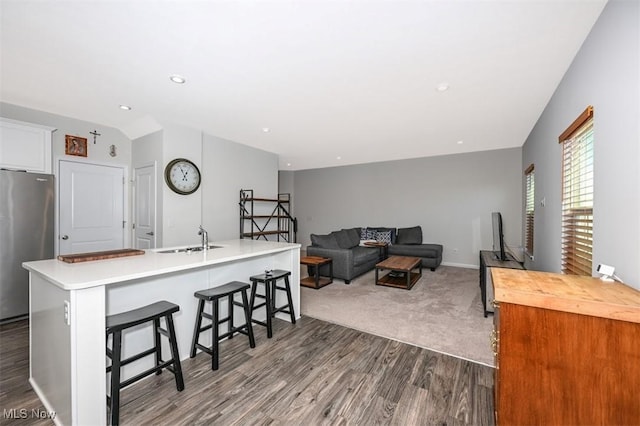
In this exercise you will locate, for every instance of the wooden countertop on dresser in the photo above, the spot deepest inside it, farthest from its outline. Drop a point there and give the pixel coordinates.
(567, 293)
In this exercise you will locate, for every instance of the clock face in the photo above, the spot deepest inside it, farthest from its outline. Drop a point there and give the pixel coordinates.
(182, 176)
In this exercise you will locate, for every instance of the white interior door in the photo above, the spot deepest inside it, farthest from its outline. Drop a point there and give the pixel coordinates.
(91, 207)
(145, 207)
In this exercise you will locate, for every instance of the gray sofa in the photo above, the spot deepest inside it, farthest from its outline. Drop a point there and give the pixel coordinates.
(350, 259)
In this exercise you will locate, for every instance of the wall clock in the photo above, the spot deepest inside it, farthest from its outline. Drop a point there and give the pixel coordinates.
(182, 176)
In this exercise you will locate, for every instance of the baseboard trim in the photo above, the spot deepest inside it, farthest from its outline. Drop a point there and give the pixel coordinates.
(50, 412)
(460, 265)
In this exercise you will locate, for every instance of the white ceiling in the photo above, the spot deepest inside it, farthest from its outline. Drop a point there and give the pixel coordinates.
(353, 79)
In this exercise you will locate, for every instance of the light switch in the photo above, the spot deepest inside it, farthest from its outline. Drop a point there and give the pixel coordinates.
(67, 312)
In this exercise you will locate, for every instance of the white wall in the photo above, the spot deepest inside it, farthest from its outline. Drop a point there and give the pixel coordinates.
(96, 153)
(605, 74)
(450, 196)
(226, 167)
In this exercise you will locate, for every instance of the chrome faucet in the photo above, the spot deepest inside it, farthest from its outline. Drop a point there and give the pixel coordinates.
(205, 238)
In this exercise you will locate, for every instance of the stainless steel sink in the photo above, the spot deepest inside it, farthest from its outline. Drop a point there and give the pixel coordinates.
(188, 249)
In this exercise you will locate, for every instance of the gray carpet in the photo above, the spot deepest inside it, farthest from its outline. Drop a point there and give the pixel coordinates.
(442, 312)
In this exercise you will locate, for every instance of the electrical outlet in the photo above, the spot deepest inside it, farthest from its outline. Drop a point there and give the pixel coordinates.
(67, 312)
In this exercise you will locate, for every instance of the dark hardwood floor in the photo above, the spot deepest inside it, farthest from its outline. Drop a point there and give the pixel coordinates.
(310, 373)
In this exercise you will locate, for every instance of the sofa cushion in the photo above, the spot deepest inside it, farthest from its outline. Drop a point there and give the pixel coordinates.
(354, 236)
(409, 235)
(324, 241)
(362, 255)
(342, 238)
(416, 250)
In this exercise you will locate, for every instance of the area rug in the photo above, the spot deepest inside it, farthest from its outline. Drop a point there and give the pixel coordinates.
(442, 312)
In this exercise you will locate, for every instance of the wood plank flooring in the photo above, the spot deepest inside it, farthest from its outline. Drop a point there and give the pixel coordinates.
(310, 373)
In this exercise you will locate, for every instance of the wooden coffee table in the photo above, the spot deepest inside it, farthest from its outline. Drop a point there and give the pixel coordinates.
(400, 275)
(316, 281)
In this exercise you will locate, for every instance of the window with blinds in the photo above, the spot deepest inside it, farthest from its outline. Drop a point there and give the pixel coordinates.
(577, 195)
(529, 208)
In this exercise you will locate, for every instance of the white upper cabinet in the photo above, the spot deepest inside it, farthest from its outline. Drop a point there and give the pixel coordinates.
(25, 146)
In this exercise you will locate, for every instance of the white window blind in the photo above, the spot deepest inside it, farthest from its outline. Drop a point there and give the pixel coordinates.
(577, 195)
(529, 209)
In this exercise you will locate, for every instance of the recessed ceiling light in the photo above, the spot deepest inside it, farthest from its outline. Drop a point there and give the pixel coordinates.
(442, 87)
(177, 79)
(338, 158)
(288, 164)
(460, 142)
(266, 129)
(125, 107)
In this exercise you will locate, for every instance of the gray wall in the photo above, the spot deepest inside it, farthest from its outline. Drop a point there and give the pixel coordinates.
(286, 186)
(450, 196)
(225, 166)
(605, 74)
(229, 167)
(182, 214)
(144, 151)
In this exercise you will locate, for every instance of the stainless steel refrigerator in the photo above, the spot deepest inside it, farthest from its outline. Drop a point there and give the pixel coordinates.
(26, 233)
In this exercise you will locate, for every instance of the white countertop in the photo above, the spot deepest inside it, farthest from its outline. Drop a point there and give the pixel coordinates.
(75, 276)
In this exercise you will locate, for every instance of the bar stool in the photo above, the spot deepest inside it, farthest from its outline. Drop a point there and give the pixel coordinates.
(214, 295)
(116, 324)
(269, 279)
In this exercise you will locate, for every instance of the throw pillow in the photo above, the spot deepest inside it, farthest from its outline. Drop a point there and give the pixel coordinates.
(383, 237)
(409, 235)
(363, 233)
(324, 241)
(342, 238)
(354, 236)
(385, 229)
(371, 234)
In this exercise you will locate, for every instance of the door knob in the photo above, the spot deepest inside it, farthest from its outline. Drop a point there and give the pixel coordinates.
(65, 237)
(150, 233)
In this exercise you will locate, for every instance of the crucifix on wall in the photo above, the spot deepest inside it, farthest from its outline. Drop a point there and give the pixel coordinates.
(95, 134)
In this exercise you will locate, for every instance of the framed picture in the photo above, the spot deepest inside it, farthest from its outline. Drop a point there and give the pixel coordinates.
(75, 145)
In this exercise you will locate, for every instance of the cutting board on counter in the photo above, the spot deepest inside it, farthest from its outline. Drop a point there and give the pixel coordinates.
(98, 255)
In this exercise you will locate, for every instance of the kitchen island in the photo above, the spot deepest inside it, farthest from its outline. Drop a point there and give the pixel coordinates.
(69, 303)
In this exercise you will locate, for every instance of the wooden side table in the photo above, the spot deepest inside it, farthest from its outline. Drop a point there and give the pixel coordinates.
(383, 248)
(316, 281)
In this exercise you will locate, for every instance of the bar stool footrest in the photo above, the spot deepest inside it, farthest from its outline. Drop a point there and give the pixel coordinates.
(262, 323)
(137, 356)
(145, 373)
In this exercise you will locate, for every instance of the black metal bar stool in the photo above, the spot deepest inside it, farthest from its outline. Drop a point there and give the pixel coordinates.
(269, 279)
(214, 295)
(117, 323)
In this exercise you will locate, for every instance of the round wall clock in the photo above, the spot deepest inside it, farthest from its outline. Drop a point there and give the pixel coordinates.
(182, 176)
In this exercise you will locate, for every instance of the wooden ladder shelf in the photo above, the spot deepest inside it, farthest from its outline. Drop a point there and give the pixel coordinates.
(256, 223)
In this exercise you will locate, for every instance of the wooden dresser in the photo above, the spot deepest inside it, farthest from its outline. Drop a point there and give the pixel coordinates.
(567, 350)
